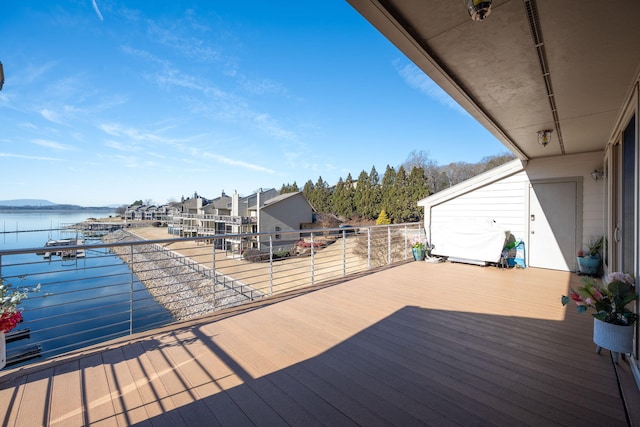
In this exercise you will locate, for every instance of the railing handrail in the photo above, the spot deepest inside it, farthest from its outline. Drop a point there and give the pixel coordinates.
(197, 238)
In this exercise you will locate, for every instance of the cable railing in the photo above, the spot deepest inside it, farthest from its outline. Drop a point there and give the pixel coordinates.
(123, 284)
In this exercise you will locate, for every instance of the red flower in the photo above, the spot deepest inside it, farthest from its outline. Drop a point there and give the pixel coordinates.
(574, 296)
(8, 321)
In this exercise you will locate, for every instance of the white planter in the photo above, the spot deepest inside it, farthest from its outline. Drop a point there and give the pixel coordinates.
(3, 351)
(616, 338)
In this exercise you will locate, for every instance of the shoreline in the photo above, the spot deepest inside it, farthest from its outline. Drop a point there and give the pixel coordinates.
(182, 290)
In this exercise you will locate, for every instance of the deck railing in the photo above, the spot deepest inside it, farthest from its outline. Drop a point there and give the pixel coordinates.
(90, 293)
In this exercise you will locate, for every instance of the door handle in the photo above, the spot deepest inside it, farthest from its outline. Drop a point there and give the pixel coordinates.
(616, 234)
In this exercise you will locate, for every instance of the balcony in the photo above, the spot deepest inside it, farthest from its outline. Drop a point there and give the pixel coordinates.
(406, 343)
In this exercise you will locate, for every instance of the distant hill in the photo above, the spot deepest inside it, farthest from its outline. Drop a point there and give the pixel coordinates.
(44, 205)
(26, 202)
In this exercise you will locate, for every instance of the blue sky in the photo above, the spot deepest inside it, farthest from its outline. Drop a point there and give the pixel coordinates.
(110, 101)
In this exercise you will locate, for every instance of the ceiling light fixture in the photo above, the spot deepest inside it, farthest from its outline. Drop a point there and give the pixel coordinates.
(478, 9)
(544, 137)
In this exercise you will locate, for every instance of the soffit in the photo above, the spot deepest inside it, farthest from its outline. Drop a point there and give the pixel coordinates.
(492, 67)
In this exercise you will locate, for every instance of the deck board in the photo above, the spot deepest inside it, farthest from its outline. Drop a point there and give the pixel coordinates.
(435, 344)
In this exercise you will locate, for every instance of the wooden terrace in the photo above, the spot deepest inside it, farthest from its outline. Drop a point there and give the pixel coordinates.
(416, 344)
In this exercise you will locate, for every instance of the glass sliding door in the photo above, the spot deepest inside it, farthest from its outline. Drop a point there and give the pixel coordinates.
(628, 193)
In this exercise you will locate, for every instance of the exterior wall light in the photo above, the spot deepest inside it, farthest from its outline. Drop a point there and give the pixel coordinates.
(478, 9)
(544, 137)
(597, 175)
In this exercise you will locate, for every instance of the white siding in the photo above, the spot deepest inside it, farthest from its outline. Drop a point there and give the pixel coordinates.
(593, 192)
(505, 199)
(502, 201)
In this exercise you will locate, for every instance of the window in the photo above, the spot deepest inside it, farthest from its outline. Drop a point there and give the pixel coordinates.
(277, 235)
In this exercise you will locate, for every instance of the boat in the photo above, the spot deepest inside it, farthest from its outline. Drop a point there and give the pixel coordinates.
(57, 248)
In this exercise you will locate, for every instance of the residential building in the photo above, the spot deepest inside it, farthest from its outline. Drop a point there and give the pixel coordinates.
(264, 211)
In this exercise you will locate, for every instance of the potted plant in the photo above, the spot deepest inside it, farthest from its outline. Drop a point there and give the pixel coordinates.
(613, 321)
(590, 261)
(10, 314)
(420, 247)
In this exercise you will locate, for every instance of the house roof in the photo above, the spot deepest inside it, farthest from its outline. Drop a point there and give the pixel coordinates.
(530, 65)
(285, 196)
(471, 184)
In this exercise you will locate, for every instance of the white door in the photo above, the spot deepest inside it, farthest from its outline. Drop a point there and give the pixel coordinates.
(552, 225)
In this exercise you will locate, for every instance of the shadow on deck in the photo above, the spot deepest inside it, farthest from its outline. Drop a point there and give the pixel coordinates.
(438, 344)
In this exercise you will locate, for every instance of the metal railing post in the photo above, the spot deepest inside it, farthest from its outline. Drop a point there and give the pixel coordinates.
(131, 275)
(312, 260)
(344, 255)
(270, 264)
(388, 244)
(406, 243)
(213, 272)
(369, 248)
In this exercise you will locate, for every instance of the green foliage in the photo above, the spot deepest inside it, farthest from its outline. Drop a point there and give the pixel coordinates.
(289, 188)
(398, 191)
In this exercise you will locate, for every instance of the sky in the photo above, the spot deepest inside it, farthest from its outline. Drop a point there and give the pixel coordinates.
(109, 101)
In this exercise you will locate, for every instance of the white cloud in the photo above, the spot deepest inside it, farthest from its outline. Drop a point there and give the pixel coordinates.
(95, 7)
(227, 161)
(52, 144)
(52, 116)
(22, 156)
(121, 147)
(417, 79)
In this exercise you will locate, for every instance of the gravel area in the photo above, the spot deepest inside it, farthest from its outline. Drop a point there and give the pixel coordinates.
(184, 290)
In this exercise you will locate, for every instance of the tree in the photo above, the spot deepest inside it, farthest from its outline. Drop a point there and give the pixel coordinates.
(431, 170)
(343, 198)
(387, 196)
(383, 219)
(418, 190)
(289, 188)
(319, 195)
(398, 202)
(494, 161)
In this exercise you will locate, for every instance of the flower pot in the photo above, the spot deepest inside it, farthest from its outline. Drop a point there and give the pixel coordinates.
(588, 265)
(615, 338)
(418, 254)
(3, 351)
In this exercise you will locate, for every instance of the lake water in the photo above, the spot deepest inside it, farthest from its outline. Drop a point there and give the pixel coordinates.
(83, 300)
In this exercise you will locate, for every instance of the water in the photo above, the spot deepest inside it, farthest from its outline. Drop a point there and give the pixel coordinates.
(82, 300)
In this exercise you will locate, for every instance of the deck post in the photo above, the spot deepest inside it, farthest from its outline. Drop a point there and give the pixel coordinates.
(131, 292)
(270, 264)
(344, 255)
(369, 248)
(312, 264)
(388, 244)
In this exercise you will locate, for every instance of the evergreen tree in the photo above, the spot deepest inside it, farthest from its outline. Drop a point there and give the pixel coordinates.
(398, 205)
(387, 196)
(289, 188)
(418, 190)
(319, 196)
(309, 193)
(362, 197)
(343, 195)
(383, 219)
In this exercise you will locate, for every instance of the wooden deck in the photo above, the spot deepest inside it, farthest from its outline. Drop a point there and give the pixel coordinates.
(417, 344)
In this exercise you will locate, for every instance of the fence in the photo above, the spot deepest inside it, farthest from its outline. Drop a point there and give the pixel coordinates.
(124, 284)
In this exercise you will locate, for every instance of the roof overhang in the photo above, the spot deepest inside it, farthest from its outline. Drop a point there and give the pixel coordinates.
(531, 65)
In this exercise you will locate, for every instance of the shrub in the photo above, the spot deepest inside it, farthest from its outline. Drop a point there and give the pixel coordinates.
(255, 255)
